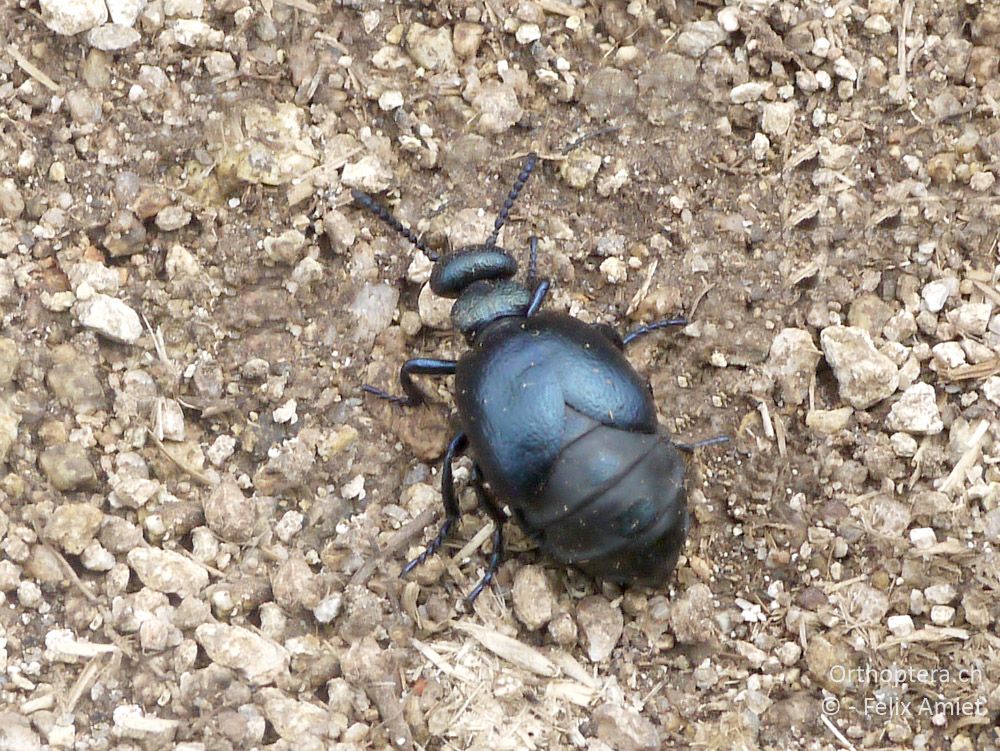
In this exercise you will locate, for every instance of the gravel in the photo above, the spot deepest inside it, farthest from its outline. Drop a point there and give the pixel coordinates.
(166, 571)
(533, 599)
(916, 411)
(865, 376)
(112, 37)
(203, 518)
(229, 514)
(699, 37)
(260, 661)
(601, 626)
(625, 729)
(72, 527)
(792, 363)
(69, 17)
(109, 317)
(67, 466)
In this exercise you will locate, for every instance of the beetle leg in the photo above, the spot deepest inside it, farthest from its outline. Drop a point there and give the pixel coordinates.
(643, 330)
(457, 445)
(537, 297)
(499, 518)
(417, 366)
(690, 447)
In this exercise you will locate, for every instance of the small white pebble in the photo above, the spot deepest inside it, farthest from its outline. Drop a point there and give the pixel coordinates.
(751, 611)
(971, 319)
(940, 594)
(390, 100)
(877, 24)
(900, 625)
(845, 68)
(729, 19)
(328, 608)
(935, 295)
(747, 92)
(370, 20)
(789, 653)
(942, 615)
(615, 270)
(821, 47)
(991, 390)
(949, 354)
(95, 558)
(923, 537)
(221, 449)
(912, 163)
(806, 81)
(760, 146)
(528, 33)
(355, 488)
(982, 181)
(903, 444)
(286, 413)
(419, 270)
(289, 525)
(29, 594)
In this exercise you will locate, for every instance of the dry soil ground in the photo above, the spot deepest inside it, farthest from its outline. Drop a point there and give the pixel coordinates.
(202, 519)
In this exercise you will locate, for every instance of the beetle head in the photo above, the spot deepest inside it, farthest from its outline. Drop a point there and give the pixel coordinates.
(456, 271)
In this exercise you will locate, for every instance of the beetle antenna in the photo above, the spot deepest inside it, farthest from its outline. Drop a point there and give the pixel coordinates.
(365, 200)
(511, 197)
(576, 143)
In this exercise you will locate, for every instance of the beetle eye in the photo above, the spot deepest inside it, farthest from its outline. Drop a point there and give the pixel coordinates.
(634, 520)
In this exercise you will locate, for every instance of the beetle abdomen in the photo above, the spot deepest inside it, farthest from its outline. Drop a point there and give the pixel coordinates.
(614, 505)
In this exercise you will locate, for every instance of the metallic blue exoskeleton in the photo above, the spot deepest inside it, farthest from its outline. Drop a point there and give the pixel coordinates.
(560, 426)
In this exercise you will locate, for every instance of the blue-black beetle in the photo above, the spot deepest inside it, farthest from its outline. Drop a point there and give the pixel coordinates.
(560, 426)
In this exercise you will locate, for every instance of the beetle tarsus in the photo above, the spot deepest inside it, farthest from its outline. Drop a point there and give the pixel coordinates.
(650, 327)
(714, 440)
(499, 518)
(432, 547)
(456, 446)
(403, 401)
(417, 366)
(491, 568)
